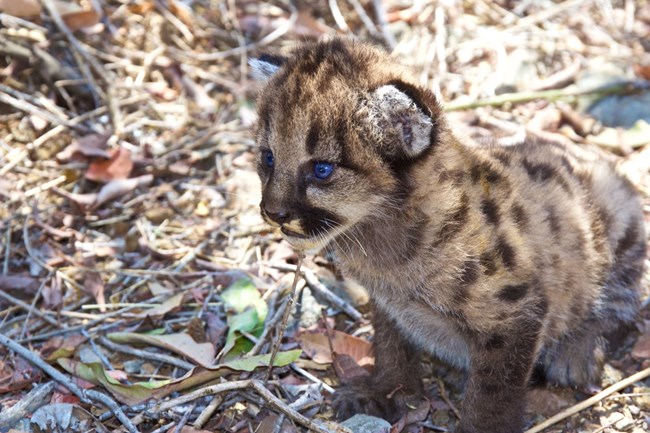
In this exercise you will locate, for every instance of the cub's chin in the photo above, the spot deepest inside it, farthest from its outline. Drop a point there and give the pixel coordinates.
(305, 243)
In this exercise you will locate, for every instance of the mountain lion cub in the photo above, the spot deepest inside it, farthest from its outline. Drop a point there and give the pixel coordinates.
(497, 260)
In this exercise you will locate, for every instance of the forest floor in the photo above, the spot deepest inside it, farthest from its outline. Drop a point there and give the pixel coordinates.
(140, 289)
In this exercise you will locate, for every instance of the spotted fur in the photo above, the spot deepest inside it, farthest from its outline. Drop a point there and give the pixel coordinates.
(494, 259)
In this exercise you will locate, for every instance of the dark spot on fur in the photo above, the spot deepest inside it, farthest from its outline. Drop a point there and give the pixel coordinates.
(495, 342)
(630, 237)
(490, 210)
(567, 165)
(484, 170)
(469, 274)
(455, 222)
(414, 238)
(313, 137)
(519, 216)
(553, 220)
(504, 157)
(489, 263)
(538, 172)
(506, 252)
(454, 176)
(513, 292)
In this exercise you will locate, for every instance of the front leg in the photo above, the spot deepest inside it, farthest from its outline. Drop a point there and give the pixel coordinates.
(500, 369)
(396, 376)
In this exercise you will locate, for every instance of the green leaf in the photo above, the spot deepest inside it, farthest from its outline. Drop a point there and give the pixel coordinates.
(243, 294)
(141, 391)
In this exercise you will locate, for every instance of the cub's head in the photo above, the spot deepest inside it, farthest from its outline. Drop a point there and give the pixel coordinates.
(340, 127)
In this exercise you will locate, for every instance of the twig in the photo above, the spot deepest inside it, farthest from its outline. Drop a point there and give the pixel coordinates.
(205, 415)
(36, 398)
(210, 57)
(590, 401)
(87, 396)
(25, 306)
(291, 413)
(363, 16)
(143, 354)
(285, 317)
(320, 289)
(380, 14)
(338, 16)
(545, 94)
(312, 378)
(443, 394)
(267, 329)
(77, 48)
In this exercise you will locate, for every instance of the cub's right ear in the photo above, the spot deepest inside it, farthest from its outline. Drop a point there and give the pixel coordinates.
(263, 67)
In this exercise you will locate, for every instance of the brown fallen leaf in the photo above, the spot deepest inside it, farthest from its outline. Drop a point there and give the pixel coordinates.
(119, 187)
(18, 282)
(76, 17)
(91, 145)
(94, 286)
(348, 371)
(641, 349)
(182, 12)
(119, 166)
(21, 8)
(316, 345)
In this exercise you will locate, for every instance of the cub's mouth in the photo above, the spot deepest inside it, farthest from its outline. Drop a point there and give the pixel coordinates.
(293, 234)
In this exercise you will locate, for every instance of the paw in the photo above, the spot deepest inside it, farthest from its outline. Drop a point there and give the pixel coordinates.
(371, 400)
(579, 365)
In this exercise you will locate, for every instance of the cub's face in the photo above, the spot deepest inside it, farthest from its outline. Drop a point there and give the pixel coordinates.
(331, 145)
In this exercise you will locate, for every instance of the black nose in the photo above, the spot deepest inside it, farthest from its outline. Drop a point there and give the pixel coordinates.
(280, 216)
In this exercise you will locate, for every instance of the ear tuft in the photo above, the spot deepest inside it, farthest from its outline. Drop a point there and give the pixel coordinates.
(263, 67)
(399, 121)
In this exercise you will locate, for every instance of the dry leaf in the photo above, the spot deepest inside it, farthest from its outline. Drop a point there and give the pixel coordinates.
(94, 286)
(141, 7)
(21, 8)
(119, 187)
(119, 166)
(74, 16)
(91, 145)
(641, 349)
(317, 347)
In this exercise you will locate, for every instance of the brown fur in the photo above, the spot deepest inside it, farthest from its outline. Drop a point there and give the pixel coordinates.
(494, 259)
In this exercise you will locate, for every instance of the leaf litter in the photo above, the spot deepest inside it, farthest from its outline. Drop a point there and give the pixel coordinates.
(128, 194)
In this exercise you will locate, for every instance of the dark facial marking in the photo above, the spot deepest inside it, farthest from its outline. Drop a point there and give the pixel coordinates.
(316, 220)
(504, 157)
(506, 252)
(513, 292)
(490, 210)
(313, 137)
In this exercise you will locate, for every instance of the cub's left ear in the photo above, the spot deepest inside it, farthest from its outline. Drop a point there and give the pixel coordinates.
(401, 121)
(263, 67)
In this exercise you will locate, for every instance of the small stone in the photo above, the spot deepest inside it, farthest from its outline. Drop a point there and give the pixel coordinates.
(634, 410)
(367, 424)
(625, 424)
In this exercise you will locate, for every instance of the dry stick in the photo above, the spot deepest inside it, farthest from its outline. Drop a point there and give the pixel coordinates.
(321, 289)
(443, 394)
(85, 396)
(544, 94)
(338, 16)
(207, 413)
(56, 16)
(290, 412)
(25, 306)
(143, 354)
(590, 401)
(285, 317)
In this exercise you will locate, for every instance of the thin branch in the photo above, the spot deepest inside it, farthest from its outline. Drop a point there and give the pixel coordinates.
(636, 377)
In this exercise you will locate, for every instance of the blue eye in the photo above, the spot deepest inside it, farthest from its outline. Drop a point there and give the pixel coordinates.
(268, 158)
(323, 170)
